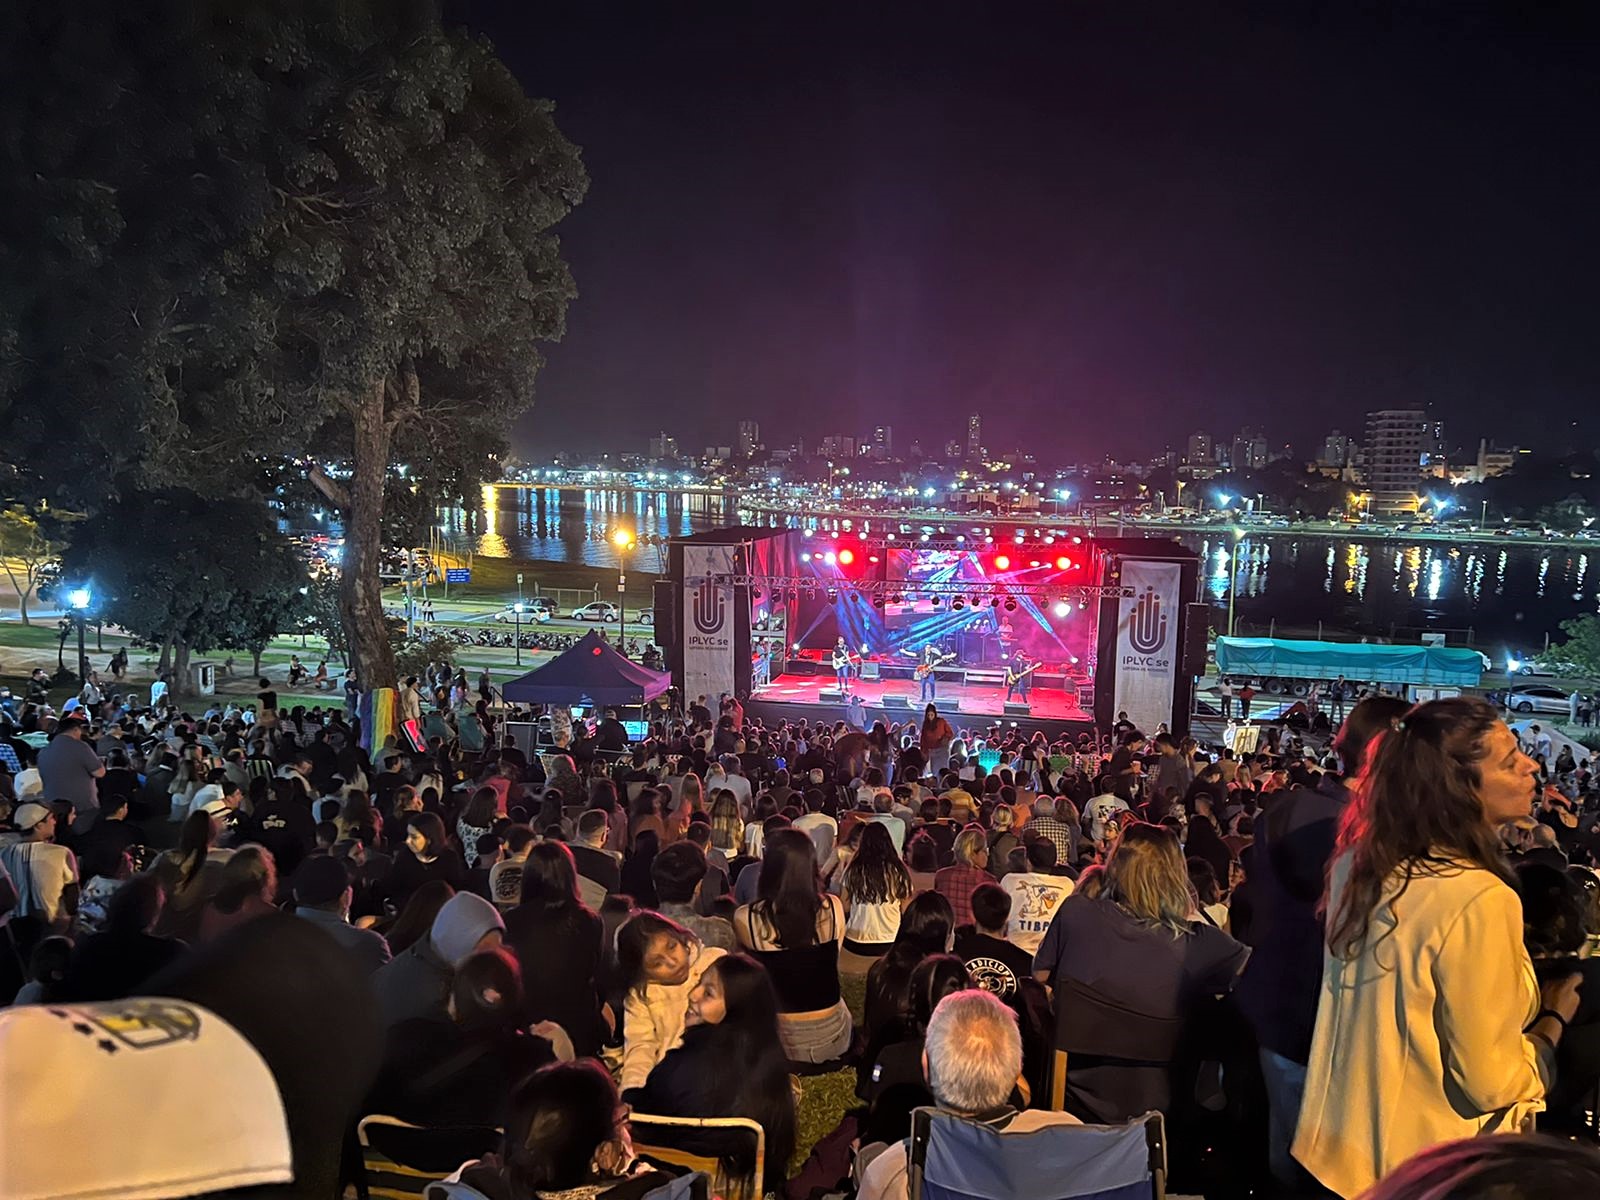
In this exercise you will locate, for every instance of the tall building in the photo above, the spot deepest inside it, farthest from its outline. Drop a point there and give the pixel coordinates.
(1249, 452)
(1200, 452)
(883, 442)
(974, 437)
(952, 450)
(662, 446)
(834, 446)
(1396, 442)
(1336, 450)
(749, 438)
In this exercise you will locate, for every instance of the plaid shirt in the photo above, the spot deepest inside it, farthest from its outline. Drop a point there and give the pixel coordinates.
(8, 756)
(956, 884)
(1059, 832)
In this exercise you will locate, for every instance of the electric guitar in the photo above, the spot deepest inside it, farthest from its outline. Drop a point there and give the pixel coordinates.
(844, 658)
(925, 669)
(1015, 677)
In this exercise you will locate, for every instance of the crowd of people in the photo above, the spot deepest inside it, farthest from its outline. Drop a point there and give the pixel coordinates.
(1316, 963)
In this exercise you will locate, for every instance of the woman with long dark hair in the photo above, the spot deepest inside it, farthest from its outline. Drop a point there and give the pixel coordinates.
(875, 888)
(794, 929)
(660, 964)
(1431, 1025)
(637, 877)
(557, 940)
(426, 856)
(476, 819)
(732, 1018)
(185, 876)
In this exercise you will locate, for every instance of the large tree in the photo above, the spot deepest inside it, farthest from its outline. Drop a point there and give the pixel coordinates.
(240, 232)
(31, 542)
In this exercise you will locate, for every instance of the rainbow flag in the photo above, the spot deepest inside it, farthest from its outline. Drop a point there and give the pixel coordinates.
(379, 717)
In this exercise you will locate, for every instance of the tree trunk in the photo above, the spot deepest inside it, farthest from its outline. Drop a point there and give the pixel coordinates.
(360, 589)
(180, 668)
(164, 663)
(255, 662)
(22, 605)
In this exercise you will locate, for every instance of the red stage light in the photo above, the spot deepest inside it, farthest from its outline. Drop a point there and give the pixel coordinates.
(847, 557)
(1063, 563)
(1002, 563)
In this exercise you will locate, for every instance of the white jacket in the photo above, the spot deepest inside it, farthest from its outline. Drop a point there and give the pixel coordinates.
(1419, 1035)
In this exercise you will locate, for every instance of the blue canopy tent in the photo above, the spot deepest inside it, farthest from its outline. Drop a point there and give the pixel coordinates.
(594, 673)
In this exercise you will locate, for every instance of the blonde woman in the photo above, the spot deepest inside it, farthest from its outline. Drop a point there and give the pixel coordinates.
(1139, 944)
(727, 825)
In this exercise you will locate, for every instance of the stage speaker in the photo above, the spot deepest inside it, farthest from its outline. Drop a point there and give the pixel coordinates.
(1014, 709)
(895, 701)
(831, 696)
(799, 666)
(869, 670)
(1196, 624)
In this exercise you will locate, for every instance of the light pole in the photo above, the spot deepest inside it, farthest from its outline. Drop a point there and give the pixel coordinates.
(622, 539)
(79, 599)
(1483, 517)
(516, 637)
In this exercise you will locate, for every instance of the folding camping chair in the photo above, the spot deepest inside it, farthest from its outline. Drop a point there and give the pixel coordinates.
(953, 1158)
(701, 1143)
(402, 1159)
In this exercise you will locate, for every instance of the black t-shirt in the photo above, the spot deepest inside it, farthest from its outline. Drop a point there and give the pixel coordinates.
(286, 828)
(995, 964)
(268, 699)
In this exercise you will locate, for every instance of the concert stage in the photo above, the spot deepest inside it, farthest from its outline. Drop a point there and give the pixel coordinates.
(899, 699)
(1103, 626)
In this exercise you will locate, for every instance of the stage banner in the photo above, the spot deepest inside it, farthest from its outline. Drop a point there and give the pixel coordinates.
(1147, 643)
(708, 623)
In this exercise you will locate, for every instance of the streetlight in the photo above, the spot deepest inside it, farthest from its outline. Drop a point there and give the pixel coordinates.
(1483, 517)
(78, 599)
(622, 539)
(516, 637)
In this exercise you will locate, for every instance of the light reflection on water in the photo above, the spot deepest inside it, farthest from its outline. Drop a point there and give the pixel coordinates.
(1296, 580)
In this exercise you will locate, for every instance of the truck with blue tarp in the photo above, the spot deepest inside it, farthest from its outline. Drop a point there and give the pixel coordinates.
(1291, 667)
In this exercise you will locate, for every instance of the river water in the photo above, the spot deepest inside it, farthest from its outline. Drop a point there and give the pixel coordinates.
(1506, 598)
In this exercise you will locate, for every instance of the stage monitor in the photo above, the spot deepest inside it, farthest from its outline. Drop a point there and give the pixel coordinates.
(637, 730)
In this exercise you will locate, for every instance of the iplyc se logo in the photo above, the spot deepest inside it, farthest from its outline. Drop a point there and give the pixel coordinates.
(1147, 625)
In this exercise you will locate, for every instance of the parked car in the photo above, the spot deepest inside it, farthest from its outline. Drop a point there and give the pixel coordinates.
(1519, 664)
(532, 610)
(597, 610)
(647, 616)
(1538, 698)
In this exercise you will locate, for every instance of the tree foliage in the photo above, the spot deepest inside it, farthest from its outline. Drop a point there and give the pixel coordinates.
(31, 541)
(178, 569)
(1582, 646)
(240, 232)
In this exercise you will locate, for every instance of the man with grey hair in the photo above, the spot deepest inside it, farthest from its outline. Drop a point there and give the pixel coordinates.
(972, 1058)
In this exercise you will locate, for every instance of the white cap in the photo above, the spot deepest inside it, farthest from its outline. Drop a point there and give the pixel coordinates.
(209, 1117)
(28, 783)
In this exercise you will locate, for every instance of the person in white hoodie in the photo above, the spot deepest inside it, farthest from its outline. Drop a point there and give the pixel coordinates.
(662, 963)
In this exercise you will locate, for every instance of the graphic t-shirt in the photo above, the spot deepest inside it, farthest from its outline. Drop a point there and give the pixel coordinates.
(1034, 900)
(994, 963)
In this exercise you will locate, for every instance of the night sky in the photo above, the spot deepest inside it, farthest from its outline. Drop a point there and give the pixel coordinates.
(1100, 225)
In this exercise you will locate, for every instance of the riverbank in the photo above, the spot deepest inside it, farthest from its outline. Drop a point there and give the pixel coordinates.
(778, 511)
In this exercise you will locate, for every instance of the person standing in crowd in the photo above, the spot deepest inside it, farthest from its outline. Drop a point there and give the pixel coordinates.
(935, 740)
(1293, 844)
(69, 767)
(43, 875)
(1430, 1025)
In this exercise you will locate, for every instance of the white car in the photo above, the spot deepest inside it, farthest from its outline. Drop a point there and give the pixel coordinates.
(647, 616)
(1539, 698)
(531, 612)
(597, 610)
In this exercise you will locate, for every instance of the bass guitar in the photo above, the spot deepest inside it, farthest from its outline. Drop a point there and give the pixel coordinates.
(924, 669)
(845, 658)
(1015, 677)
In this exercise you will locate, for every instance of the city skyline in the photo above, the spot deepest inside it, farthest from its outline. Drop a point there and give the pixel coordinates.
(1072, 221)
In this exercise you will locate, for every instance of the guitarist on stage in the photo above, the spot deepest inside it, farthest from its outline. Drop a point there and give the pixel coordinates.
(1018, 671)
(841, 665)
(931, 658)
